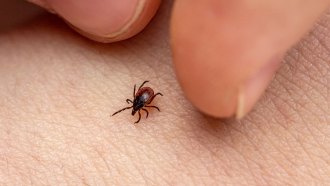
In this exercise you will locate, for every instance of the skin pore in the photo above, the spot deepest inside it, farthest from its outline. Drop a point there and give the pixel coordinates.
(59, 89)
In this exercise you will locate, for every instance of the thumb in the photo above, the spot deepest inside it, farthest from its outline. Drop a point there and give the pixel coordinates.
(104, 20)
(226, 52)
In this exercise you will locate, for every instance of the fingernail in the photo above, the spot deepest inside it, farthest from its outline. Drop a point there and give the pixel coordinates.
(250, 92)
(42, 4)
(104, 18)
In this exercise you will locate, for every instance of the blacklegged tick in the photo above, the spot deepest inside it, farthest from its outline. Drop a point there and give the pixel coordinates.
(142, 98)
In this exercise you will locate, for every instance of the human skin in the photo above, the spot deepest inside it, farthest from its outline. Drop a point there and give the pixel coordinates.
(59, 89)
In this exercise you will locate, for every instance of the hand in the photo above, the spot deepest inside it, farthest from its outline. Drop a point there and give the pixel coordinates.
(59, 90)
(225, 52)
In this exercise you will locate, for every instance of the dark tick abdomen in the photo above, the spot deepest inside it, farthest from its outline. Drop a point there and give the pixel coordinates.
(139, 103)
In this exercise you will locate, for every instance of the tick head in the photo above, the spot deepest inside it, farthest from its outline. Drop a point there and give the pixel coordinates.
(133, 111)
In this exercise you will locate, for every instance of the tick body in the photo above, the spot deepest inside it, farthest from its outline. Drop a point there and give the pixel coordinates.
(142, 98)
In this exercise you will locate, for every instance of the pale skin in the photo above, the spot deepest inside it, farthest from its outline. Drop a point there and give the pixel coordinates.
(58, 90)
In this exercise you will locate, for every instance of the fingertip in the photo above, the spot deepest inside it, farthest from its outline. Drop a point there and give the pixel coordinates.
(104, 20)
(224, 52)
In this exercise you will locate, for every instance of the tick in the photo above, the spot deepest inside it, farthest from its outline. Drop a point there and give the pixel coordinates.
(142, 98)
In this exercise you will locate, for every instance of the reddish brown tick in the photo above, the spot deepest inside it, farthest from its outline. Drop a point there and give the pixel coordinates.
(142, 98)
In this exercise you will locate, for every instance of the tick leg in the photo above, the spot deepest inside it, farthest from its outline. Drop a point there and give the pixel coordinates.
(152, 107)
(143, 84)
(152, 98)
(146, 112)
(129, 101)
(121, 110)
(134, 91)
(139, 117)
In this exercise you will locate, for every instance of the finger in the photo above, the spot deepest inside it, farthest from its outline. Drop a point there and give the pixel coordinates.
(226, 52)
(104, 20)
